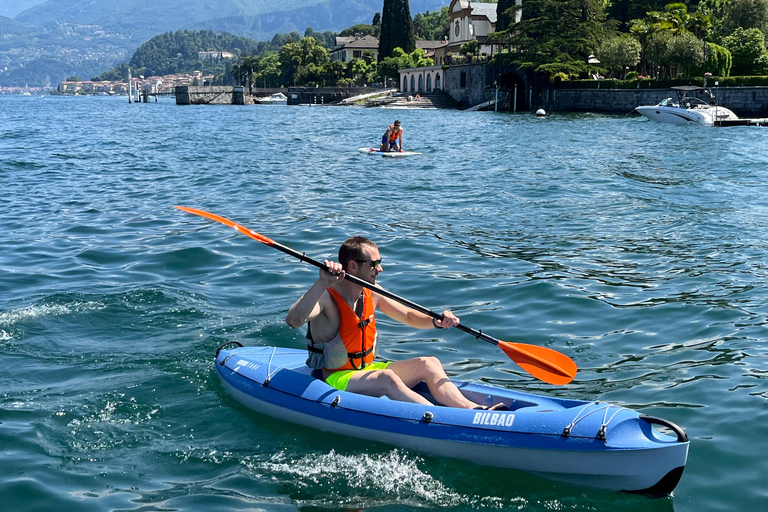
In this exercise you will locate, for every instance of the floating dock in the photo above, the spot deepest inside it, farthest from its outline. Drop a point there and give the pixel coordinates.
(742, 122)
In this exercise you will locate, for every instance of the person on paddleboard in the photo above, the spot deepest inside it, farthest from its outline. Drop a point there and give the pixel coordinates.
(392, 140)
(343, 340)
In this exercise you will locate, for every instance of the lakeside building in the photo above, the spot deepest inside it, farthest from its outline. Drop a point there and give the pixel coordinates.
(471, 22)
(165, 84)
(348, 49)
(26, 90)
(214, 55)
(468, 22)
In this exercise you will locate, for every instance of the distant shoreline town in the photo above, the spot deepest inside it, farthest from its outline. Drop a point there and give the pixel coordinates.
(154, 84)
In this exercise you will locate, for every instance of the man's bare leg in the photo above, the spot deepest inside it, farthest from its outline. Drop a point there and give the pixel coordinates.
(384, 383)
(430, 370)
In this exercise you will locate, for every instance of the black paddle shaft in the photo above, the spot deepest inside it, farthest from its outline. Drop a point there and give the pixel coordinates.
(381, 291)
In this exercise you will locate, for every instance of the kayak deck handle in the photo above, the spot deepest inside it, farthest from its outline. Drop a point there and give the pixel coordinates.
(225, 344)
(682, 437)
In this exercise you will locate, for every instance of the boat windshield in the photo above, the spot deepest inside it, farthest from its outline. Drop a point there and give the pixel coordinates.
(695, 102)
(668, 102)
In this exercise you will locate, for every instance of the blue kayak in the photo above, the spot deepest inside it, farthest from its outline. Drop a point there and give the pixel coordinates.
(584, 443)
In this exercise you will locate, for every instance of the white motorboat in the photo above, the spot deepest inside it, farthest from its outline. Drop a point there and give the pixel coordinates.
(694, 104)
(276, 99)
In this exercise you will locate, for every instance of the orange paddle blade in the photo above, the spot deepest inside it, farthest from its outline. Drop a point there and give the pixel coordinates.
(543, 363)
(234, 225)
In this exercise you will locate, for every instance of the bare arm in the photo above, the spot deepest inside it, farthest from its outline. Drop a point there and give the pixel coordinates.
(411, 317)
(310, 305)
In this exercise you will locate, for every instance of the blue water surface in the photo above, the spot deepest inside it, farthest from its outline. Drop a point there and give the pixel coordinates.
(636, 248)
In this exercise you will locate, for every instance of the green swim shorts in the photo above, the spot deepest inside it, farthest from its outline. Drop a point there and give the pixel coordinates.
(340, 379)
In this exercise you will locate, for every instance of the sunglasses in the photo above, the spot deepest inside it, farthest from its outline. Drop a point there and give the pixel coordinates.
(374, 263)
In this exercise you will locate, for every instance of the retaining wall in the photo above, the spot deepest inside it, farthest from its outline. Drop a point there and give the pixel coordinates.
(743, 101)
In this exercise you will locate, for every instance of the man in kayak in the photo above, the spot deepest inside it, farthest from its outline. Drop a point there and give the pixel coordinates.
(342, 333)
(392, 140)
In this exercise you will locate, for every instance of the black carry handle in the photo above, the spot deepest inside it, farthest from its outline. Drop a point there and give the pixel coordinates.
(682, 437)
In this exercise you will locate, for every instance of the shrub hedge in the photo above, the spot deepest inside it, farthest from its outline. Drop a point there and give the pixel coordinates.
(644, 83)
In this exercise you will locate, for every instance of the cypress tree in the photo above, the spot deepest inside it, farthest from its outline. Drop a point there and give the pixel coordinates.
(503, 21)
(396, 28)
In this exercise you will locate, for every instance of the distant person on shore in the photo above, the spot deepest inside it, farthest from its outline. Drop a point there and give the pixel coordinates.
(392, 140)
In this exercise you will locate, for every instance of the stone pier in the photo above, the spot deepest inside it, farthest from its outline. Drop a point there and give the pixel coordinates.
(211, 95)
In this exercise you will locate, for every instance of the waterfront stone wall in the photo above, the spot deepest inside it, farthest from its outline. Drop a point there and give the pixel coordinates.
(743, 101)
(210, 95)
(228, 95)
(323, 95)
(468, 84)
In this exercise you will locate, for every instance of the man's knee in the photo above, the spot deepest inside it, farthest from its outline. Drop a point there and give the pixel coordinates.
(431, 364)
(389, 380)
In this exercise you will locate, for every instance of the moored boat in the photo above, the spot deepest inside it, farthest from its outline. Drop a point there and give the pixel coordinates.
(694, 104)
(584, 443)
(277, 98)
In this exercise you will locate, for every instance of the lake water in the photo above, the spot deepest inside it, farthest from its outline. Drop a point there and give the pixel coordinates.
(638, 249)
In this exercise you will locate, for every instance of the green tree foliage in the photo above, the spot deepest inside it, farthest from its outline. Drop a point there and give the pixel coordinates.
(685, 51)
(505, 14)
(619, 52)
(325, 39)
(624, 11)
(672, 54)
(365, 69)
(728, 15)
(400, 60)
(279, 40)
(718, 62)
(268, 74)
(432, 26)
(554, 36)
(396, 28)
(176, 52)
(672, 40)
(366, 30)
(747, 48)
(376, 19)
(470, 48)
(302, 63)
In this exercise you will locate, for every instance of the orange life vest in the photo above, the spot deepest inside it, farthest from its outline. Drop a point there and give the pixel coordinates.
(394, 134)
(358, 333)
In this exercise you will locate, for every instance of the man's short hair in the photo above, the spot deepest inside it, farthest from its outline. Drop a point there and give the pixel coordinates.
(352, 249)
(397, 123)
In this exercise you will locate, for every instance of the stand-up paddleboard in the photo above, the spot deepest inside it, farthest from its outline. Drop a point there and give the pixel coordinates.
(391, 154)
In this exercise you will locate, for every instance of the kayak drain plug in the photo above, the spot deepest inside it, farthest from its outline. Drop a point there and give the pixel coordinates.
(428, 416)
(336, 401)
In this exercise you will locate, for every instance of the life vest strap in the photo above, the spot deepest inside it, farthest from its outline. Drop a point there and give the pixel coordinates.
(359, 355)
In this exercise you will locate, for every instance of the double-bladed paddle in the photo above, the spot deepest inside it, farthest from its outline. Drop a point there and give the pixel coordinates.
(543, 363)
